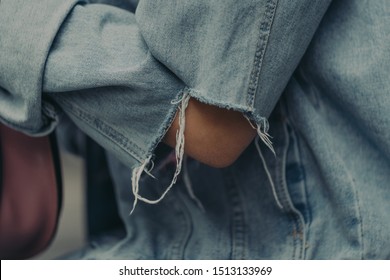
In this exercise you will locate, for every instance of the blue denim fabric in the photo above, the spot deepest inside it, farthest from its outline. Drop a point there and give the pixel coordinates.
(324, 195)
(337, 106)
(108, 82)
(143, 55)
(27, 31)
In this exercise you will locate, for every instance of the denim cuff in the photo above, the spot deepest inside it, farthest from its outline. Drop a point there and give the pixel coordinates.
(122, 77)
(27, 31)
(238, 55)
(105, 79)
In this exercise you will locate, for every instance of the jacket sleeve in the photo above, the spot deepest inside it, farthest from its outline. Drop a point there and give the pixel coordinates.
(27, 30)
(122, 77)
(101, 73)
(103, 76)
(232, 54)
(118, 74)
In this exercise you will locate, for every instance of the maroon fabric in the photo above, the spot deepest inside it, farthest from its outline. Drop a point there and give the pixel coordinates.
(29, 201)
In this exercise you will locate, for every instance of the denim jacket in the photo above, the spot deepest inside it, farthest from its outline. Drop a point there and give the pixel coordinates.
(313, 77)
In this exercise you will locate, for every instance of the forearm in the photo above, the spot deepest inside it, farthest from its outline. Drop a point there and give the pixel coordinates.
(213, 135)
(103, 73)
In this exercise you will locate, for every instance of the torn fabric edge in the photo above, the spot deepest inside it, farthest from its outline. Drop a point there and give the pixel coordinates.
(181, 103)
(260, 124)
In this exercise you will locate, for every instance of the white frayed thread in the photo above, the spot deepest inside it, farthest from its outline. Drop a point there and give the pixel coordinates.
(179, 151)
(265, 137)
(188, 184)
(268, 175)
(149, 170)
(263, 134)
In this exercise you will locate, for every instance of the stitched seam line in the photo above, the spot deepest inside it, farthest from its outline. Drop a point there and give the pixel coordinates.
(178, 250)
(310, 218)
(238, 227)
(299, 148)
(299, 234)
(265, 29)
(106, 130)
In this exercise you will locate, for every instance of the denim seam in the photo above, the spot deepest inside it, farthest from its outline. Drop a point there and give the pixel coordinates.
(181, 103)
(283, 200)
(299, 234)
(310, 214)
(299, 149)
(179, 248)
(118, 138)
(360, 218)
(265, 29)
(238, 227)
(167, 122)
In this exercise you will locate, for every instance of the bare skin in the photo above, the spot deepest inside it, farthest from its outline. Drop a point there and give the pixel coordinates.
(213, 135)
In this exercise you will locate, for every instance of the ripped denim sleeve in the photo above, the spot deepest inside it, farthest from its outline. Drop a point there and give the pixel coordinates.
(122, 77)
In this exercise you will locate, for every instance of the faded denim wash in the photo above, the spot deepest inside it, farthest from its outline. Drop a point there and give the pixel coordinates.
(314, 77)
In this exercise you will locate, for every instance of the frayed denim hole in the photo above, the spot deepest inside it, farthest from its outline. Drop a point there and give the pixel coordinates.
(179, 152)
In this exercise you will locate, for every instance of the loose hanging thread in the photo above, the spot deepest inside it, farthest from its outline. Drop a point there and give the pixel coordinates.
(271, 181)
(188, 184)
(265, 137)
(179, 151)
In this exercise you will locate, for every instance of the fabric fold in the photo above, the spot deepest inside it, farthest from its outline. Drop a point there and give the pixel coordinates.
(116, 74)
(27, 30)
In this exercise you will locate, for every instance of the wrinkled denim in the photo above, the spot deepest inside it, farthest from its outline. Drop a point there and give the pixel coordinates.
(315, 77)
(27, 32)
